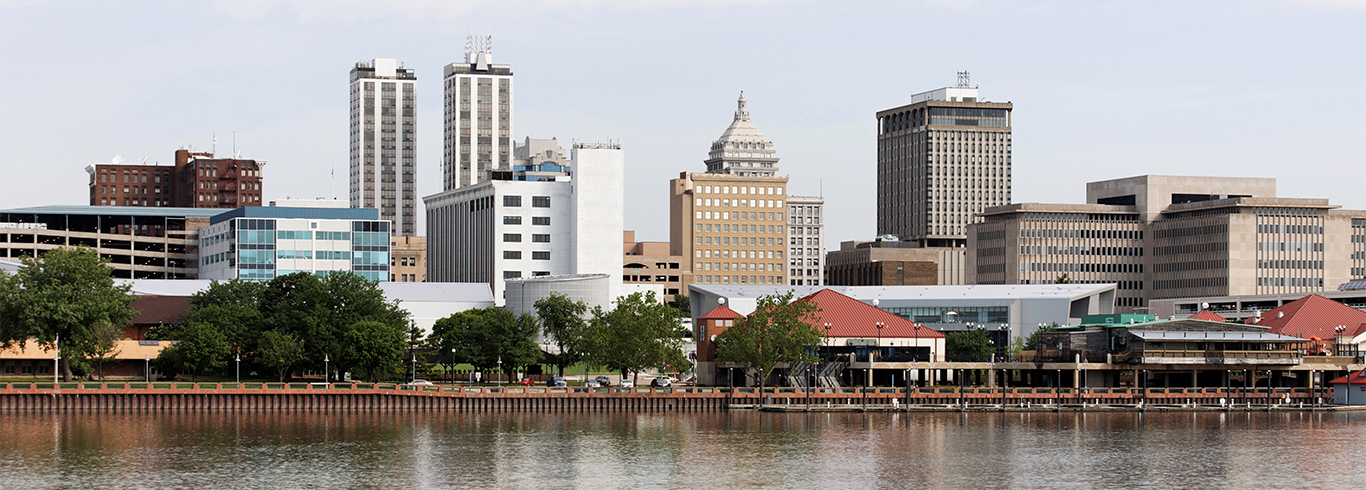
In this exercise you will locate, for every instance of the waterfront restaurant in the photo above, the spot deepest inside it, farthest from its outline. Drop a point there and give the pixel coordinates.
(1185, 352)
(861, 343)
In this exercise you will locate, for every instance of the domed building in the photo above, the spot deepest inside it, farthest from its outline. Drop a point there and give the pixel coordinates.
(742, 150)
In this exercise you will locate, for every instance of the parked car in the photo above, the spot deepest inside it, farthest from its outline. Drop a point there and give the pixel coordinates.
(420, 382)
(592, 383)
(626, 383)
(661, 382)
(556, 381)
(526, 382)
(603, 380)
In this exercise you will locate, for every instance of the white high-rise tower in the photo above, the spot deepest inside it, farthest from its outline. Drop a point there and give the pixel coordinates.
(478, 117)
(384, 142)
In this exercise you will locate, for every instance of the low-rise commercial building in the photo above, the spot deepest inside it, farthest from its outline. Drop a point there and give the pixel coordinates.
(141, 243)
(894, 263)
(649, 263)
(260, 243)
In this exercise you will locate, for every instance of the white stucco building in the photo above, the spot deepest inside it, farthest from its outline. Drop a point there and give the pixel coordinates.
(506, 228)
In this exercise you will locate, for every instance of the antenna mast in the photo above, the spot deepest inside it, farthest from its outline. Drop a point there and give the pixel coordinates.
(964, 80)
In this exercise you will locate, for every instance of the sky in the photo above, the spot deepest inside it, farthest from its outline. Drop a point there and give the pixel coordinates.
(1101, 89)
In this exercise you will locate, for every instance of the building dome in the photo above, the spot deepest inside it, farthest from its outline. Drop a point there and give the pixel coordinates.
(742, 149)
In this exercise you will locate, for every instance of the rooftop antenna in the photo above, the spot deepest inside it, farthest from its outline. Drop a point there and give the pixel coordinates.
(964, 80)
(214, 149)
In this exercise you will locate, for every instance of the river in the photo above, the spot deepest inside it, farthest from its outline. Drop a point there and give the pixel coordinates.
(710, 450)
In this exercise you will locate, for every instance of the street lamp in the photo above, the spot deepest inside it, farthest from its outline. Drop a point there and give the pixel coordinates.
(327, 371)
(414, 366)
(237, 358)
(451, 374)
(500, 370)
(147, 374)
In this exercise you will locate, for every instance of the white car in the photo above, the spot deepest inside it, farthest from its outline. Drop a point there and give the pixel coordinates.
(420, 382)
(592, 384)
(626, 383)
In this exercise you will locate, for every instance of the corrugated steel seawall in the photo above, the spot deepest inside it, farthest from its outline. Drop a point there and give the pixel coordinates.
(46, 397)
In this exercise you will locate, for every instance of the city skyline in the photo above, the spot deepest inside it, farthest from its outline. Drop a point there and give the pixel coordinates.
(1105, 91)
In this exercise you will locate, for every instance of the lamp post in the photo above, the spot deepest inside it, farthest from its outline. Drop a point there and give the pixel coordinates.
(452, 369)
(414, 366)
(237, 359)
(56, 359)
(327, 371)
(500, 370)
(147, 373)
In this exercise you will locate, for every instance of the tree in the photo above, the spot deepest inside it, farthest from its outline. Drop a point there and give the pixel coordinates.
(320, 312)
(638, 333)
(562, 320)
(779, 331)
(1032, 343)
(199, 348)
(483, 337)
(970, 345)
(683, 304)
(1063, 279)
(104, 345)
(279, 351)
(234, 308)
(375, 348)
(61, 300)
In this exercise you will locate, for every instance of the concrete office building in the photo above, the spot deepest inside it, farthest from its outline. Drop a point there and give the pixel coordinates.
(942, 159)
(478, 117)
(1173, 237)
(806, 241)
(513, 226)
(261, 243)
(894, 263)
(649, 263)
(728, 224)
(196, 180)
(408, 259)
(384, 142)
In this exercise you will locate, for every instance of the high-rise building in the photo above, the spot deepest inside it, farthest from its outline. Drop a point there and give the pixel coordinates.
(197, 180)
(941, 159)
(1162, 237)
(384, 142)
(478, 118)
(731, 225)
(528, 223)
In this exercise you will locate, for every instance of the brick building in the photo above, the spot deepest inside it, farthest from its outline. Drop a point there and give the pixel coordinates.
(197, 180)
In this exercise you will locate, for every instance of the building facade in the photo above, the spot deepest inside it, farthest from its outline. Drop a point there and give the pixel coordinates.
(197, 180)
(942, 159)
(735, 223)
(649, 263)
(1171, 237)
(384, 142)
(805, 240)
(408, 259)
(478, 118)
(514, 226)
(261, 243)
(140, 243)
(894, 263)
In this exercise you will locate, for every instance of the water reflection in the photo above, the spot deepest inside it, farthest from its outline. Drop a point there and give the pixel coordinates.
(799, 450)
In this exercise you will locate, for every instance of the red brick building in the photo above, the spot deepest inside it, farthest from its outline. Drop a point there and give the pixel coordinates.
(197, 180)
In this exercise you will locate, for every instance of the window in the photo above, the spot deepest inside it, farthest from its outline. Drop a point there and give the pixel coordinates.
(540, 220)
(540, 201)
(540, 238)
(512, 254)
(512, 220)
(512, 237)
(512, 202)
(540, 255)
(512, 274)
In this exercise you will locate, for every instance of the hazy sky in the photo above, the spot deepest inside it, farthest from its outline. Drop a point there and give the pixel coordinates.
(1101, 89)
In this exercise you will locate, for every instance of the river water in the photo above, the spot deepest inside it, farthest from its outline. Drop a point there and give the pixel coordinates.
(712, 450)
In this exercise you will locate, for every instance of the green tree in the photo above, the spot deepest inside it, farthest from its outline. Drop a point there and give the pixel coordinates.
(562, 319)
(683, 304)
(280, 351)
(199, 348)
(1063, 279)
(376, 348)
(969, 346)
(483, 337)
(638, 333)
(61, 301)
(779, 331)
(234, 308)
(320, 312)
(1032, 343)
(105, 345)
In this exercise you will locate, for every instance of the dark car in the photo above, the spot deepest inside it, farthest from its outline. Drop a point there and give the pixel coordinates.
(603, 380)
(556, 381)
(661, 382)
